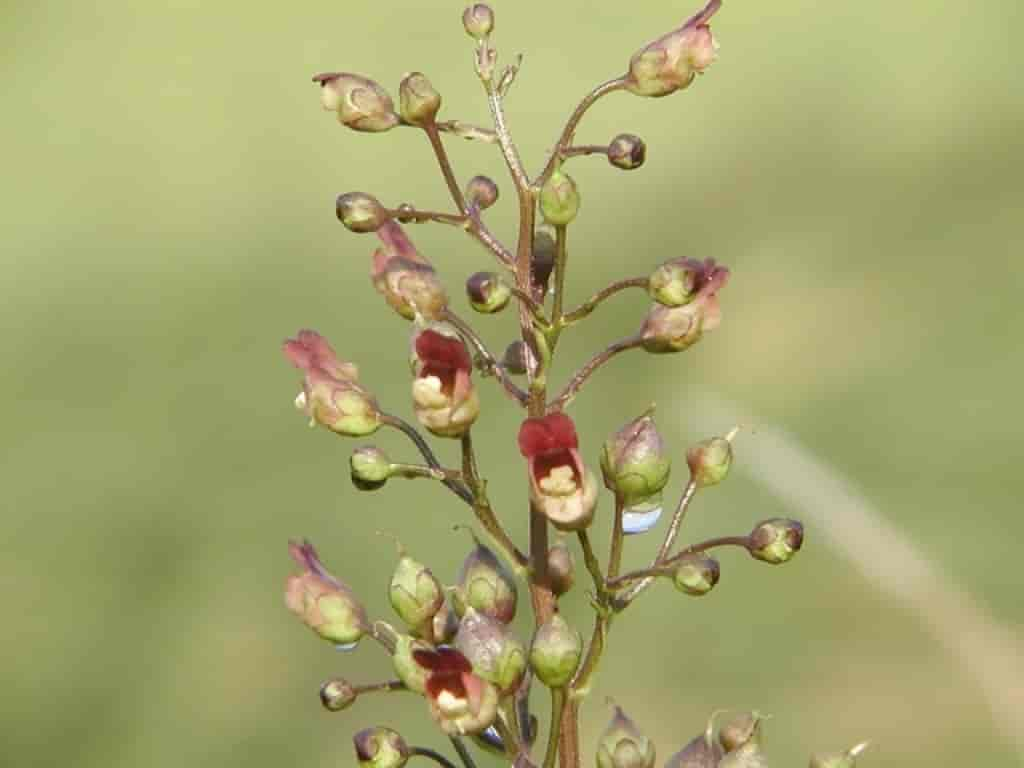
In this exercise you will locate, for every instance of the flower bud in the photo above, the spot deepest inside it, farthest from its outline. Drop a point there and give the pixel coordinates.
(516, 358)
(405, 278)
(370, 468)
(380, 747)
(361, 104)
(418, 100)
(702, 752)
(775, 541)
(672, 329)
(627, 151)
(555, 652)
(487, 292)
(847, 759)
(543, 262)
(444, 625)
(749, 753)
(559, 199)
(561, 571)
(482, 192)
(460, 701)
(360, 212)
(331, 395)
(623, 745)
(409, 672)
(671, 62)
(675, 283)
(324, 604)
(634, 463)
(561, 487)
(496, 655)
(739, 730)
(709, 460)
(337, 695)
(478, 19)
(485, 585)
(444, 398)
(414, 593)
(696, 574)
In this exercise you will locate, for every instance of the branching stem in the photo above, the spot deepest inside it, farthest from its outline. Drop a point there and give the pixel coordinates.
(411, 432)
(592, 303)
(580, 377)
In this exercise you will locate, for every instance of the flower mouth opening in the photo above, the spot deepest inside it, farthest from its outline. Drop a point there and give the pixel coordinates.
(443, 373)
(549, 469)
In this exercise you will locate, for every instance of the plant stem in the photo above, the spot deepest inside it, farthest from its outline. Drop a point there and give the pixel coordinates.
(464, 755)
(574, 119)
(576, 383)
(446, 167)
(493, 367)
(467, 131)
(591, 561)
(410, 431)
(561, 257)
(386, 687)
(554, 734)
(618, 536)
(408, 213)
(582, 150)
(591, 304)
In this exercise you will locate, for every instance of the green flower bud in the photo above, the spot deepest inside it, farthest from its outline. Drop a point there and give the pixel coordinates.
(418, 100)
(485, 585)
(634, 463)
(487, 292)
(847, 759)
(360, 212)
(496, 655)
(478, 19)
(380, 747)
(671, 62)
(749, 753)
(623, 745)
(775, 541)
(627, 151)
(409, 672)
(337, 695)
(414, 593)
(370, 468)
(702, 752)
(482, 192)
(561, 571)
(555, 652)
(325, 605)
(675, 283)
(710, 460)
(696, 574)
(559, 199)
(361, 104)
(515, 358)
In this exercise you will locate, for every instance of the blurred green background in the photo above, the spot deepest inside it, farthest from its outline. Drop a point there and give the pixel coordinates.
(167, 201)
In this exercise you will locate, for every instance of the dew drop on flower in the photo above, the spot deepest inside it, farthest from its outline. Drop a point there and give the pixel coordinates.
(641, 517)
(346, 647)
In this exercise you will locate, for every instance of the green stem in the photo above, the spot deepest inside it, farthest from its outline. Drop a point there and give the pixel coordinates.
(592, 303)
(618, 537)
(464, 755)
(446, 167)
(561, 257)
(410, 431)
(554, 734)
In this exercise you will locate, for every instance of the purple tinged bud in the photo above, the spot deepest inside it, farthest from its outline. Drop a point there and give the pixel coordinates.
(675, 283)
(634, 463)
(739, 730)
(418, 100)
(404, 277)
(485, 585)
(414, 593)
(482, 192)
(627, 151)
(361, 104)
(847, 759)
(555, 652)
(337, 695)
(478, 19)
(380, 747)
(710, 460)
(487, 292)
(325, 605)
(559, 199)
(409, 672)
(624, 745)
(696, 574)
(496, 655)
(671, 62)
(360, 212)
(749, 754)
(702, 752)
(775, 541)
(561, 571)
(370, 468)
(516, 358)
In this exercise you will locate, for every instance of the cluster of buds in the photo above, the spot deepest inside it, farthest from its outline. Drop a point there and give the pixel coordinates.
(454, 644)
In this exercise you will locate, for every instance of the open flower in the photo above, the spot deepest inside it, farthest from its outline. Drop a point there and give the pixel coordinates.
(460, 701)
(560, 486)
(672, 329)
(331, 394)
(404, 277)
(671, 62)
(324, 604)
(443, 394)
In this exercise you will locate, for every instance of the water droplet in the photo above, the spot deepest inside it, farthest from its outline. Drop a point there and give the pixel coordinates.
(346, 647)
(641, 517)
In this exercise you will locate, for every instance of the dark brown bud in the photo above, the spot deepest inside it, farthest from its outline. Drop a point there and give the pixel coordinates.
(516, 358)
(380, 747)
(482, 191)
(775, 541)
(627, 151)
(543, 262)
(696, 574)
(561, 571)
(487, 292)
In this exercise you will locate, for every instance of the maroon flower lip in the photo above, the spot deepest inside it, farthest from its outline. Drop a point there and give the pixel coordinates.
(443, 357)
(548, 442)
(446, 666)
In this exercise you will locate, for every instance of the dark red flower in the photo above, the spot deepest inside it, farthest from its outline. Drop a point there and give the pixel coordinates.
(444, 357)
(460, 701)
(559, 483)
(443, 395)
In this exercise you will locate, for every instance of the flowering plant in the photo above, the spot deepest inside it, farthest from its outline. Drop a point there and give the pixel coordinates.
(454, 644)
